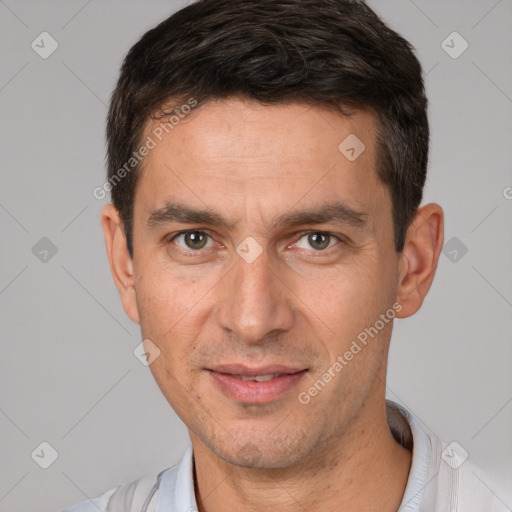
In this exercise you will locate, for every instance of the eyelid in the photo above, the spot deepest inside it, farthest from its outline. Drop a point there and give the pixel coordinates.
(173, 236)
(298, 236)
(319, 231)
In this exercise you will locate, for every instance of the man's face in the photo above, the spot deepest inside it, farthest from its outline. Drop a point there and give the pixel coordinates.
(271, 290)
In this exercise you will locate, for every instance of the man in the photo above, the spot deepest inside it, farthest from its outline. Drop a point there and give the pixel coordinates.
(266, 162)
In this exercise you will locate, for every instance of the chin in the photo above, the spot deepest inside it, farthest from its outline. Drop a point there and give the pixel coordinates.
(263, 452)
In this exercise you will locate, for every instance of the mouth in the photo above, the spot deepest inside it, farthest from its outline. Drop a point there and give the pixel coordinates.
(258, 378)
(256, 385)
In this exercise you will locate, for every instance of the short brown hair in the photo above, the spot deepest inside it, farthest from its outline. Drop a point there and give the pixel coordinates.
(334, 53)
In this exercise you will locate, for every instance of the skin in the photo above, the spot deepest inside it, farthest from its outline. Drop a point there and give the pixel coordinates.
(297, 303)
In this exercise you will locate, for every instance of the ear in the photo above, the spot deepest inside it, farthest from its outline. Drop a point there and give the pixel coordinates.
(121, 264)
(419, 258)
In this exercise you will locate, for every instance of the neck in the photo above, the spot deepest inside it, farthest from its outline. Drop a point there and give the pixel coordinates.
(364, 469)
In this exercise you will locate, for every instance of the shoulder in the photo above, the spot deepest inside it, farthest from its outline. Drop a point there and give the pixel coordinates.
(95, 504)
(128, 496)
(464, 486)
(175, 482)
(443, 475)
(481, 490)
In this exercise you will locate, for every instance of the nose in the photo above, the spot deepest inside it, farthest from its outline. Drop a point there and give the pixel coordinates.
(254, 301)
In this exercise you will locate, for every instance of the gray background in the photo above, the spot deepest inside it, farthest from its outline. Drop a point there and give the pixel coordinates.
(68, 375)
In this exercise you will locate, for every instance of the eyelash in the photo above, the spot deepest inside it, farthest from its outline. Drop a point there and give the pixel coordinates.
(300, 236)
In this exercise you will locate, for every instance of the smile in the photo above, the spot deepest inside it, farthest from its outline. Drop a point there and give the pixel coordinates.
(253, 386)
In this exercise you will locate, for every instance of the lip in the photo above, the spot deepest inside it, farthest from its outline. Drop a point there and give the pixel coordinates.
(242, 369)
(253, 392)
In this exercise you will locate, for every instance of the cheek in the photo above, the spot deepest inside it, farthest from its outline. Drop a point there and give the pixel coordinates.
(344, 295)
(165, 296)
(171, 310)
(343, 302)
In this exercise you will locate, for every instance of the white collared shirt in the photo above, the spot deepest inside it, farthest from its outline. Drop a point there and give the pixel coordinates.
(441, 479)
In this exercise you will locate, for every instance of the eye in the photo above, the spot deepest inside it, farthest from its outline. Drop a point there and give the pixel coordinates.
(192, 240)
(318, 240)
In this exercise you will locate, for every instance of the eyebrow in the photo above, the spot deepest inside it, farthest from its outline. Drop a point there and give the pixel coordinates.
(332, 212)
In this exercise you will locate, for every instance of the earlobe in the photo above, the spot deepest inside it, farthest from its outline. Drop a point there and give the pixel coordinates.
(419, 258)
(121, 264)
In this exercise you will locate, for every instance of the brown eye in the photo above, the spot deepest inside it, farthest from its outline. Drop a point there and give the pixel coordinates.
(194, 240)
(318, 240)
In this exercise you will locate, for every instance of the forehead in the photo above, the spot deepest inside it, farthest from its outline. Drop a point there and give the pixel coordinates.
(260, 131)
(253, 153)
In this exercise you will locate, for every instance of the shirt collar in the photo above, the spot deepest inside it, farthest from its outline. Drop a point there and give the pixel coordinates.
(176, 491)
(420, 464)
